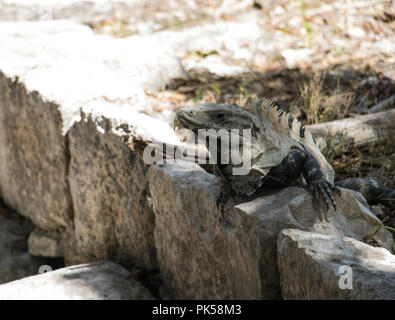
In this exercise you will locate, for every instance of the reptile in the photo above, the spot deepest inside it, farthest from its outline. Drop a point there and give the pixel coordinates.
(282, 153)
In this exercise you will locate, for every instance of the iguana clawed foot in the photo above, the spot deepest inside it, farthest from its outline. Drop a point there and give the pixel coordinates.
(323, 189)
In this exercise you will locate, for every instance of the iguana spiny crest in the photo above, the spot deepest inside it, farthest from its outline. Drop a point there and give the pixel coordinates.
(287, 132)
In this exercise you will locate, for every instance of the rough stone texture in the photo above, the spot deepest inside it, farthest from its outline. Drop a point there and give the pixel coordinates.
(15, 260)
(113, 218)
(203, 255)
(101, 280)
(33, 157)
(45, 244)
(309, 266)
(81, 182)
(294, 207)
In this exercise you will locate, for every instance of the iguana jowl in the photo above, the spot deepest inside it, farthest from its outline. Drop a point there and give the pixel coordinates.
(282, 152)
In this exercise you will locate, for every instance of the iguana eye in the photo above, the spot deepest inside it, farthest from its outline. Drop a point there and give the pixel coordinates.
(220, 116)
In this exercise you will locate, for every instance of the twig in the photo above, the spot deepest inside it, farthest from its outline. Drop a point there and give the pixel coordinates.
(361, 129)
(382, 104)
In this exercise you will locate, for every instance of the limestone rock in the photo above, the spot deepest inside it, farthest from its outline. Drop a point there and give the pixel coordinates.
(205, 255)
(293, 207)
(92, 71)
(33, 157)
(113, 218)
(101, 280)
(201, 255)
(45, 244)
(66, 113)
(312, 265)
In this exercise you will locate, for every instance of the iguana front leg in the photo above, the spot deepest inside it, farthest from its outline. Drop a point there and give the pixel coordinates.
(226, 192)
(316, 182)
(301, 162)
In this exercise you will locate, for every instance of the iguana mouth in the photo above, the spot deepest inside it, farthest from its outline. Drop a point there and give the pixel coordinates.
(187, 122)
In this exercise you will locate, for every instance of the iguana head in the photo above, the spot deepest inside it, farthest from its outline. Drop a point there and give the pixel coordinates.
(214, 116)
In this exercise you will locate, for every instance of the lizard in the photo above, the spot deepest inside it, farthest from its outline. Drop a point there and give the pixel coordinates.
(282, 153)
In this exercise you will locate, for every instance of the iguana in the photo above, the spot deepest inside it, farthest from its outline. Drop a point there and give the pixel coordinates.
(282, 152)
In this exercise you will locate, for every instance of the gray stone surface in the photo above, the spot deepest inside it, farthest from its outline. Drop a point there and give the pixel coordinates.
(66, 113)
(294, 207)
(45, 244)
(15, 260)
(113, 218)
(310, 267)
(201, 254)
(101, 280)
(33, 157)
(204, 255)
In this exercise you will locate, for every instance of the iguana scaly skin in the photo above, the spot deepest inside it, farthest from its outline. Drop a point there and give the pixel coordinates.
(282, 152)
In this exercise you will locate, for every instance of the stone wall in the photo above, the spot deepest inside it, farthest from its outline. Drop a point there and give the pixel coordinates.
(67, 110)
